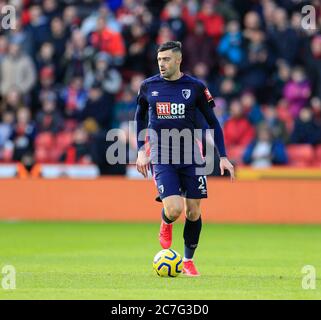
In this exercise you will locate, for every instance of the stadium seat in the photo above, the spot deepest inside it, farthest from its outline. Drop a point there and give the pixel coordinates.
(235, 154)
(300, 155)
(318, 155)
(45, 140)
(42, 155)
(64, 140)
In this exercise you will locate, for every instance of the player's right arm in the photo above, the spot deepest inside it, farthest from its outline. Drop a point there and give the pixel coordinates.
(142, 162)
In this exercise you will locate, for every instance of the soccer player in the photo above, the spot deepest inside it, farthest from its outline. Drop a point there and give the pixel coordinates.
(170, 100)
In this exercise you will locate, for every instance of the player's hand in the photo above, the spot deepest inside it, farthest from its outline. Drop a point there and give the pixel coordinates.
(226, 164)
(142, 163)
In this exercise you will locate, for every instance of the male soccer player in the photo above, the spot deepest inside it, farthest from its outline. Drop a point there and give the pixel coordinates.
(170, 100)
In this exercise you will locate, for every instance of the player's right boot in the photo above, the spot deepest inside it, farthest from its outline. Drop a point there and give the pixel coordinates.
(165, 235)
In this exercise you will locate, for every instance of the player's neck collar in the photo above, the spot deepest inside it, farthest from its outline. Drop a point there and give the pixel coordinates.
(182, 75)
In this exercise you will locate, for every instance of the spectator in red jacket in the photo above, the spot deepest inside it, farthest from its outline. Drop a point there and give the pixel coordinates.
(79, 152)
(213, 22)
(237, 130)
(109, 41)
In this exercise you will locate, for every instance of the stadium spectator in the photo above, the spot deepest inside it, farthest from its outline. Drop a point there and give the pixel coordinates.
(251, 107)
(17, 70)
(316, 109)
(256, 64)
(77, 56)
(297, 91)
(202, 72)
(102, 72)
(237, 129)
(136, 41)
(228, 85)
(23, 36)
(79, 151)
(50, 9)
(46, 85)
(125, 107)
(175, 21)
(89, 23)
(49, 118)
(276, 126)
(313, 63)
(265, 150)
(205, 52)
(283, 39)
(74, 97)
(23, 135)
(230, 45)
(58, 38)
(99, 107)
(306, 129)
(3, 47)
(70, 18)
(12, 101)
(278, 80)
(46, 56)
(252, 25)
(109, 41)
(221, 111)
(6, 129)
(38, 28)
(165, 34)
(213, 22)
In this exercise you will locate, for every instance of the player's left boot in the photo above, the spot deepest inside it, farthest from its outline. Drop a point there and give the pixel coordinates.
(165, 235)
(189, 269)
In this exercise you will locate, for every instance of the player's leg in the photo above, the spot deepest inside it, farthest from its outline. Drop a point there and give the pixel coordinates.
(192, 228)
(172, 209)
(195, 189)
(168, 184)
(192, 231)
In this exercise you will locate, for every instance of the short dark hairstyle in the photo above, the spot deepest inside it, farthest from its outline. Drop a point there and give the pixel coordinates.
(175, 46)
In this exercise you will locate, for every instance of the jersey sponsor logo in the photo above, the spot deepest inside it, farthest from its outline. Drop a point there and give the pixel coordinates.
(163, 108)
(208, 95)
(167, 110)
(186, 93)
(155, 93)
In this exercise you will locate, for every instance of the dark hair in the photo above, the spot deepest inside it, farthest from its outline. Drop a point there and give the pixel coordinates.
(175, 46)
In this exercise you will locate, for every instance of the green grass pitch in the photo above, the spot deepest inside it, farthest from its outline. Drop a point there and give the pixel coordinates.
(114, 261)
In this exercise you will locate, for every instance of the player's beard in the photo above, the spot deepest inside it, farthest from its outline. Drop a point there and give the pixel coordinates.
(167, 74)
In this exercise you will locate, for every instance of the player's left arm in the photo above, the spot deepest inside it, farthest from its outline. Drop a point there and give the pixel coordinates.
(206, 104)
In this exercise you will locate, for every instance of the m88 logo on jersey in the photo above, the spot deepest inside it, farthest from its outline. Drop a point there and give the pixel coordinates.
(167, 110)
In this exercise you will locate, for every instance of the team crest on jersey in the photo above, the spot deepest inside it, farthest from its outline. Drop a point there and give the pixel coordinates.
(186, 93)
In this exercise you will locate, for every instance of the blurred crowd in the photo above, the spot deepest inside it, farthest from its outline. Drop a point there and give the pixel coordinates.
(71, 70)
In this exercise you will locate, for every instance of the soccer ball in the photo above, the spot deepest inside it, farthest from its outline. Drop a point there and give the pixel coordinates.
(168, 263)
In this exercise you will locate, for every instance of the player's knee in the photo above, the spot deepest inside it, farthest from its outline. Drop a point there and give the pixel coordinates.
(173, 212)
(193, 214)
